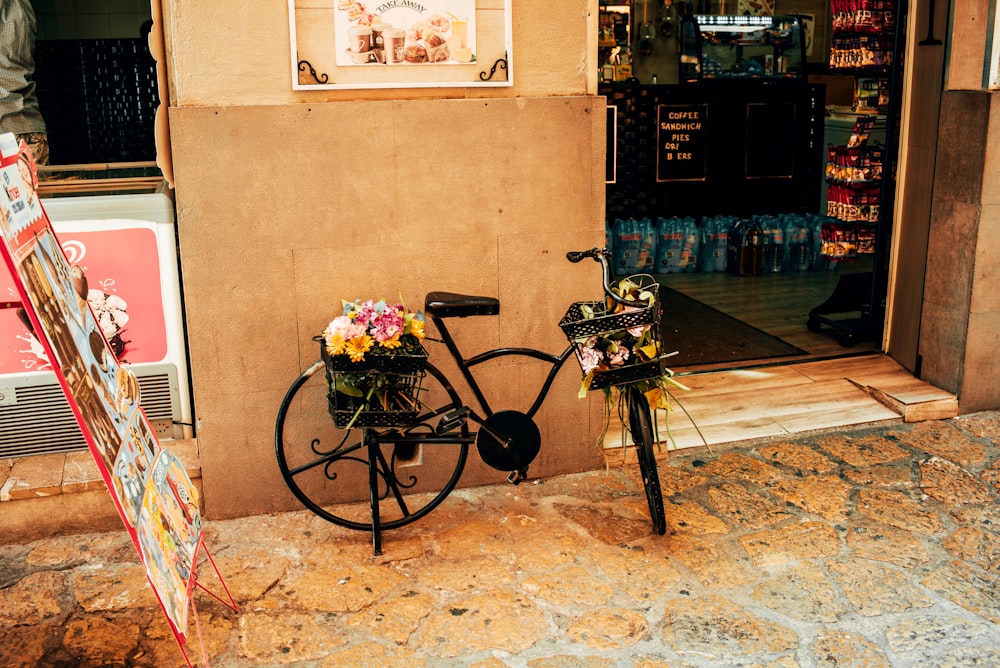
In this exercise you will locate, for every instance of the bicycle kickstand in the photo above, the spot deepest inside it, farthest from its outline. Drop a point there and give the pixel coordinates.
(515, 477)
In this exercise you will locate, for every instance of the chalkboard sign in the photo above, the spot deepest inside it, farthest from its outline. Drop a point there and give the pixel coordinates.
(680, 142)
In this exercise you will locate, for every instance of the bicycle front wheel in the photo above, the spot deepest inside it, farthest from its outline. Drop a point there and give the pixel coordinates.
(328, 469)
(640, 424)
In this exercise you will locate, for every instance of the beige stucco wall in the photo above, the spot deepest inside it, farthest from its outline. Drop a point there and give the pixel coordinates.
(969, 22)
(237, 53)
(960, 310)
(288, 201)
(960, 327)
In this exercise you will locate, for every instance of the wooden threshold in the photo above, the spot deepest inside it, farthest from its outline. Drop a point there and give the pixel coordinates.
(777, 401)
(830, 385)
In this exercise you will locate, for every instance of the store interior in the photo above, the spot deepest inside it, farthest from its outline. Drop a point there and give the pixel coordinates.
(747, 143)
(784, 80)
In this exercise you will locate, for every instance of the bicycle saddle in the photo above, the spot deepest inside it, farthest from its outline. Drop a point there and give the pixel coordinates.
(448, 305)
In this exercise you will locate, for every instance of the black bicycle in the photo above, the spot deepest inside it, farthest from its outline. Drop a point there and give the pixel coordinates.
(411, 460)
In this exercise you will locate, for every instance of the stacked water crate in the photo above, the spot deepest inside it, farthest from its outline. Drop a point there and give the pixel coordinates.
(744, 246)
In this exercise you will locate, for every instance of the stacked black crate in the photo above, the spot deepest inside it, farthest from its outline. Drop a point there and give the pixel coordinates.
(99, 99)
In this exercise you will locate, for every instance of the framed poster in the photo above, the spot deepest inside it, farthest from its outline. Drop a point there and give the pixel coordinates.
(611, 158)
(344, 44)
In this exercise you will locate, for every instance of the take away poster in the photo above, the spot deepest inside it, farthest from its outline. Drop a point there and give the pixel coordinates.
(405, 32)
(103, 394)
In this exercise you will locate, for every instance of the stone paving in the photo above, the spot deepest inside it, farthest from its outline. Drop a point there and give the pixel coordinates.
(874, 546)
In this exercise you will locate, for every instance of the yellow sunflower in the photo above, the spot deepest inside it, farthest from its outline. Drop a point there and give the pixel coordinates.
(392, 343)
(358, 346)
(417, 328)
(335, 344)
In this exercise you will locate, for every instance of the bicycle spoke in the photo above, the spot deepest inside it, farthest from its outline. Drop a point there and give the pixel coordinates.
(324, 458)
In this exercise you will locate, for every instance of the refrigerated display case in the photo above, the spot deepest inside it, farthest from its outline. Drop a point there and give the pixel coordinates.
(741, 47)
(126, 245)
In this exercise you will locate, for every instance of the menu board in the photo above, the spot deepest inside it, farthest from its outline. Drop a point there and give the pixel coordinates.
(681, 132)
(157, 501)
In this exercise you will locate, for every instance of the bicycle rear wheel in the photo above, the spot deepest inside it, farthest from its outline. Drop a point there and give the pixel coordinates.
(640, 424)
(328, 469)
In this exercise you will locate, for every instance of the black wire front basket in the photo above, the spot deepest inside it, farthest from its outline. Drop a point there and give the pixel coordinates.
(380, 391)
(618, 344)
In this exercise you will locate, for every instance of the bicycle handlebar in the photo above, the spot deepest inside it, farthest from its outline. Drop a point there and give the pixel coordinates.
(576, 256)
(600, 255)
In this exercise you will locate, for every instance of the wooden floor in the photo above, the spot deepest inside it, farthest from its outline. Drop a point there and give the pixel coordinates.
(778, 304)
(830, 386)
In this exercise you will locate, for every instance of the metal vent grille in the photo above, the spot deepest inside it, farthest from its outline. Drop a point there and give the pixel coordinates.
(37, 420)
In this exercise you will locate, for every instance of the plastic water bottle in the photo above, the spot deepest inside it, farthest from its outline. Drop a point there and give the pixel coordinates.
(776, 243)
(796, 237)
(647, 246)
(714, 242)
(779, 247)
(718, 248)
(670, 238)
(625, 252)
(751, 251)
(690, 245)
(705, 261)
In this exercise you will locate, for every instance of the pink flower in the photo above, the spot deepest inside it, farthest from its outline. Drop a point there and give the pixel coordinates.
(590, 359)
(637, 332)
(364, 312)
(340, 325)
(388, 324)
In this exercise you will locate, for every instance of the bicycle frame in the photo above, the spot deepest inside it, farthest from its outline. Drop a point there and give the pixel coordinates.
(465, 366)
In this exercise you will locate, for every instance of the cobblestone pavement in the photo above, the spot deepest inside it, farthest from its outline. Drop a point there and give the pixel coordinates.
(876, 546)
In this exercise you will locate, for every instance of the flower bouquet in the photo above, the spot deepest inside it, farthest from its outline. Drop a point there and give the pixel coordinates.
(374, 364)
(618, 344)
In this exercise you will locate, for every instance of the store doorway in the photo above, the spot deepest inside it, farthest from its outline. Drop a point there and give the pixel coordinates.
(818, 230)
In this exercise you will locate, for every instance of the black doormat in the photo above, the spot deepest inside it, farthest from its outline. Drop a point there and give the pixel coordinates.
(704, 335)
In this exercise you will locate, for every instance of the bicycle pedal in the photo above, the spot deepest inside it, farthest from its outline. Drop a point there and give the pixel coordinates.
(452, 420)
(515, 477)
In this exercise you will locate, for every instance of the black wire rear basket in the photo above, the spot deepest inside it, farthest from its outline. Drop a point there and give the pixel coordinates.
(620, 345)
(384, 388)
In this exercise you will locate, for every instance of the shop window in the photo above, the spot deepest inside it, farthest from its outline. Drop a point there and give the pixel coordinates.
(96, 83)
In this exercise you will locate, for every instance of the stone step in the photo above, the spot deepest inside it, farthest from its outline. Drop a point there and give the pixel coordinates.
(56, 494)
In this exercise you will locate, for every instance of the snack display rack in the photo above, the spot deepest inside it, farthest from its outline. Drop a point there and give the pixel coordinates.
(868, 43)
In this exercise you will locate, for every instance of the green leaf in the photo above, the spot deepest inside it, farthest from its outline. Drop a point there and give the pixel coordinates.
(344, 387)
